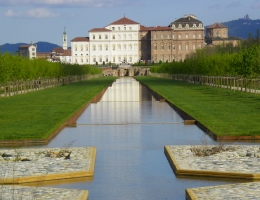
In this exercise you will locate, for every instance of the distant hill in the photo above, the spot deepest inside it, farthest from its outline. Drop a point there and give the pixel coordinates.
(41, 47)
(242, 27)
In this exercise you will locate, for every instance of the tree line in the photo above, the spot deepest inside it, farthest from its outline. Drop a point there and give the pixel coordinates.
(16, 68)
(222, 60)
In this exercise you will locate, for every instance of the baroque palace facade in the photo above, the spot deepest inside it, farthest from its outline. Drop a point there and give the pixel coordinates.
(127, 41)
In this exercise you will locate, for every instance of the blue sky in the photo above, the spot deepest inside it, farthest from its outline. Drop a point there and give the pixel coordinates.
(44, 20)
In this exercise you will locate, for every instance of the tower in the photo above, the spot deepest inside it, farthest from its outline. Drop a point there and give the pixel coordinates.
(64, 40)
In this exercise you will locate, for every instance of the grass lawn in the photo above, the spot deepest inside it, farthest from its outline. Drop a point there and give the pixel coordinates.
(36, 115)
(223, 111)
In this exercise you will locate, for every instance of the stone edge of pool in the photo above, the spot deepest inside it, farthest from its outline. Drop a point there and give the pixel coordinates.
(211, 191)
(55, 176)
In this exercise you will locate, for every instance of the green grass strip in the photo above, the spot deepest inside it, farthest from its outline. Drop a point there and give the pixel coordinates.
(224, 112)
(36, 115)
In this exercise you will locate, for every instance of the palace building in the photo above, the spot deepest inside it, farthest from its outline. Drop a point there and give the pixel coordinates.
(127, 41)
(217, 34)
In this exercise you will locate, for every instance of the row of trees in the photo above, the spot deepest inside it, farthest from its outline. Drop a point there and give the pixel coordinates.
(224, 60)
(14, 68)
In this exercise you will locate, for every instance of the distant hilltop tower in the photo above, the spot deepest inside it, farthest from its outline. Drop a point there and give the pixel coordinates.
(64, 40)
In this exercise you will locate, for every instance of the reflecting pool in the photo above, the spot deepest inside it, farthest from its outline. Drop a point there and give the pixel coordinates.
(130, 128)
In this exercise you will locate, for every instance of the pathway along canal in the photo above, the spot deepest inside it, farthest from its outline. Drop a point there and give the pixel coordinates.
(130, 128)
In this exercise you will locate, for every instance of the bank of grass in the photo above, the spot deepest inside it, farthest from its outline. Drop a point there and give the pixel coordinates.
(224, 112)
(36, 115)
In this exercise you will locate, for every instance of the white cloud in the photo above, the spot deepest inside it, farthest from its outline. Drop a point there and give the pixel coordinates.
(32, 13)
(96, 3)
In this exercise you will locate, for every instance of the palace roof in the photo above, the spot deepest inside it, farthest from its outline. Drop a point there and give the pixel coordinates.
(123, 21)
(99, 30)
(216, 25)
(80, 39)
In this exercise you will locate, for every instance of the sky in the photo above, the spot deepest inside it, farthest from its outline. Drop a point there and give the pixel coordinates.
(31, 21)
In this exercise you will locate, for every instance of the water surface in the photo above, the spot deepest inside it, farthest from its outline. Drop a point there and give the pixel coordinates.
(130, 128)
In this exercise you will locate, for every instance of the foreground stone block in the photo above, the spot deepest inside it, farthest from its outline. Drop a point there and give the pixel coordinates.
(38, 165)
(242, 191)
(238, 162)
(44, 193)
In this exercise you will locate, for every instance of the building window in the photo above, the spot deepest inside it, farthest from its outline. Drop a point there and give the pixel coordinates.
(33, 49)
(119, 47)
(100, 59)
(179, 46)
(155, 46)
(155, 58)
(114, 59)
(155, 36)
(173, 36)
(124, 47)
(187, 47)
(179, 36)
(124, 28)
(194, 36)
(81, 48)
(194, 46)
(114, 47)
(130, 47)
(113, 37)
(119, 37)
(99, 36)
(94, 47)
(130, 36)
(187, 36)
(162, 47)
(94, 60)
(162, 36)
(119, 28)
(169, 57)
(130, 59)
(106, 59)
(173, 46)
(113, 28)
(76, 48)
(94, 37)
(100, 47)
(169, 36)
(106, 47)
(86, 47)
(124, 37)
(169, 47)
(130, 28)
(200, 36)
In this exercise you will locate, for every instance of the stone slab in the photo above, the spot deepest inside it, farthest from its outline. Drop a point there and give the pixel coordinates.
(240, 162)
(10, 192)
(242, 191)
(45, 164)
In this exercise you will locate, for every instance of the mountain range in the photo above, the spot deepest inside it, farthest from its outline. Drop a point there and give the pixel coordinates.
(41, 47)
(240, 28)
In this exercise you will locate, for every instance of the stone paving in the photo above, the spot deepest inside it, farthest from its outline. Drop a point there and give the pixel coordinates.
(234, 161)
(237, 159)
(39, 165)
(46, 164)
(242, 191)
(11, 192)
